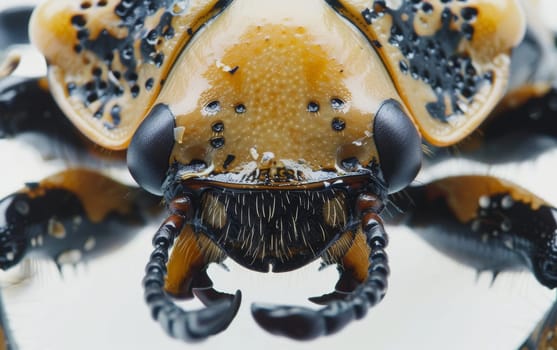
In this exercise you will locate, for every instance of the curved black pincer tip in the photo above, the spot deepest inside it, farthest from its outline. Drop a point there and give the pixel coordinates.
(215, 318)
(199, 324)
(292, 322)
(302, 323)
(195, 325)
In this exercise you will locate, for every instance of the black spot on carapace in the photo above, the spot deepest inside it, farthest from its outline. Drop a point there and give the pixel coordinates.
(116, 117)
(135, 90)
(240, 108)
(469, 13)
(217, 142)
(468, 31)
(427, 7)
(70, 87)
(78, 21)
(434, 59)
(338, 124)
(313, 107)
(133, 16)
(218, 127)
(149, 84)
(229, 159)
(234, 70)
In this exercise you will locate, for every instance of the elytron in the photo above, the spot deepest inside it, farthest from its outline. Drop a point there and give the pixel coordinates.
(278, 133)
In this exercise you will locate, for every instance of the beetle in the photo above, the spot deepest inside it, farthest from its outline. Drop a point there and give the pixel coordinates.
(276, 143)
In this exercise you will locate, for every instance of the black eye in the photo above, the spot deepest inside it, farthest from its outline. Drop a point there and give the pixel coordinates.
(150, 149)
(398, 144)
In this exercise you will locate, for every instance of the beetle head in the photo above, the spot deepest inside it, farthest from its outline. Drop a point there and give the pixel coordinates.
(285, 102)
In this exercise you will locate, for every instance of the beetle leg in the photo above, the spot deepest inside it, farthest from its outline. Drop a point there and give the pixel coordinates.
(179, 323)
(371, 269)
(187, 268)
(351, 254)
(491, 225)
(485, 222)
(188, 264)
(70, 216)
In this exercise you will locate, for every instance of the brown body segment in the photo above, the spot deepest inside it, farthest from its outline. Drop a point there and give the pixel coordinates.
(99, 195)
(356, 259)
(466, 194)
(191, 255)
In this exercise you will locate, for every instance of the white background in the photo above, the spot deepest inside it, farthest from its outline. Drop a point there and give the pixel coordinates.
(432, 302)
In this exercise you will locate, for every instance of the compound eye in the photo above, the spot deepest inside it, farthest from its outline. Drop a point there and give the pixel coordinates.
(398, 144)
(150, 149)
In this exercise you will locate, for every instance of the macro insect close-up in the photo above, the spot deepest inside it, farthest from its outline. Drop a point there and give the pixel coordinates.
(212, 164)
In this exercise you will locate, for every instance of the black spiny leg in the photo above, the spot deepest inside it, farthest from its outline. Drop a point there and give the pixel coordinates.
(491, 225)
(487, 223)
(345, 306)
(69, 217)
(178, 323)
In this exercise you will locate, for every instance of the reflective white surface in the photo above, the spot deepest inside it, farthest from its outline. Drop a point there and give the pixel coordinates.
(432, 303)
